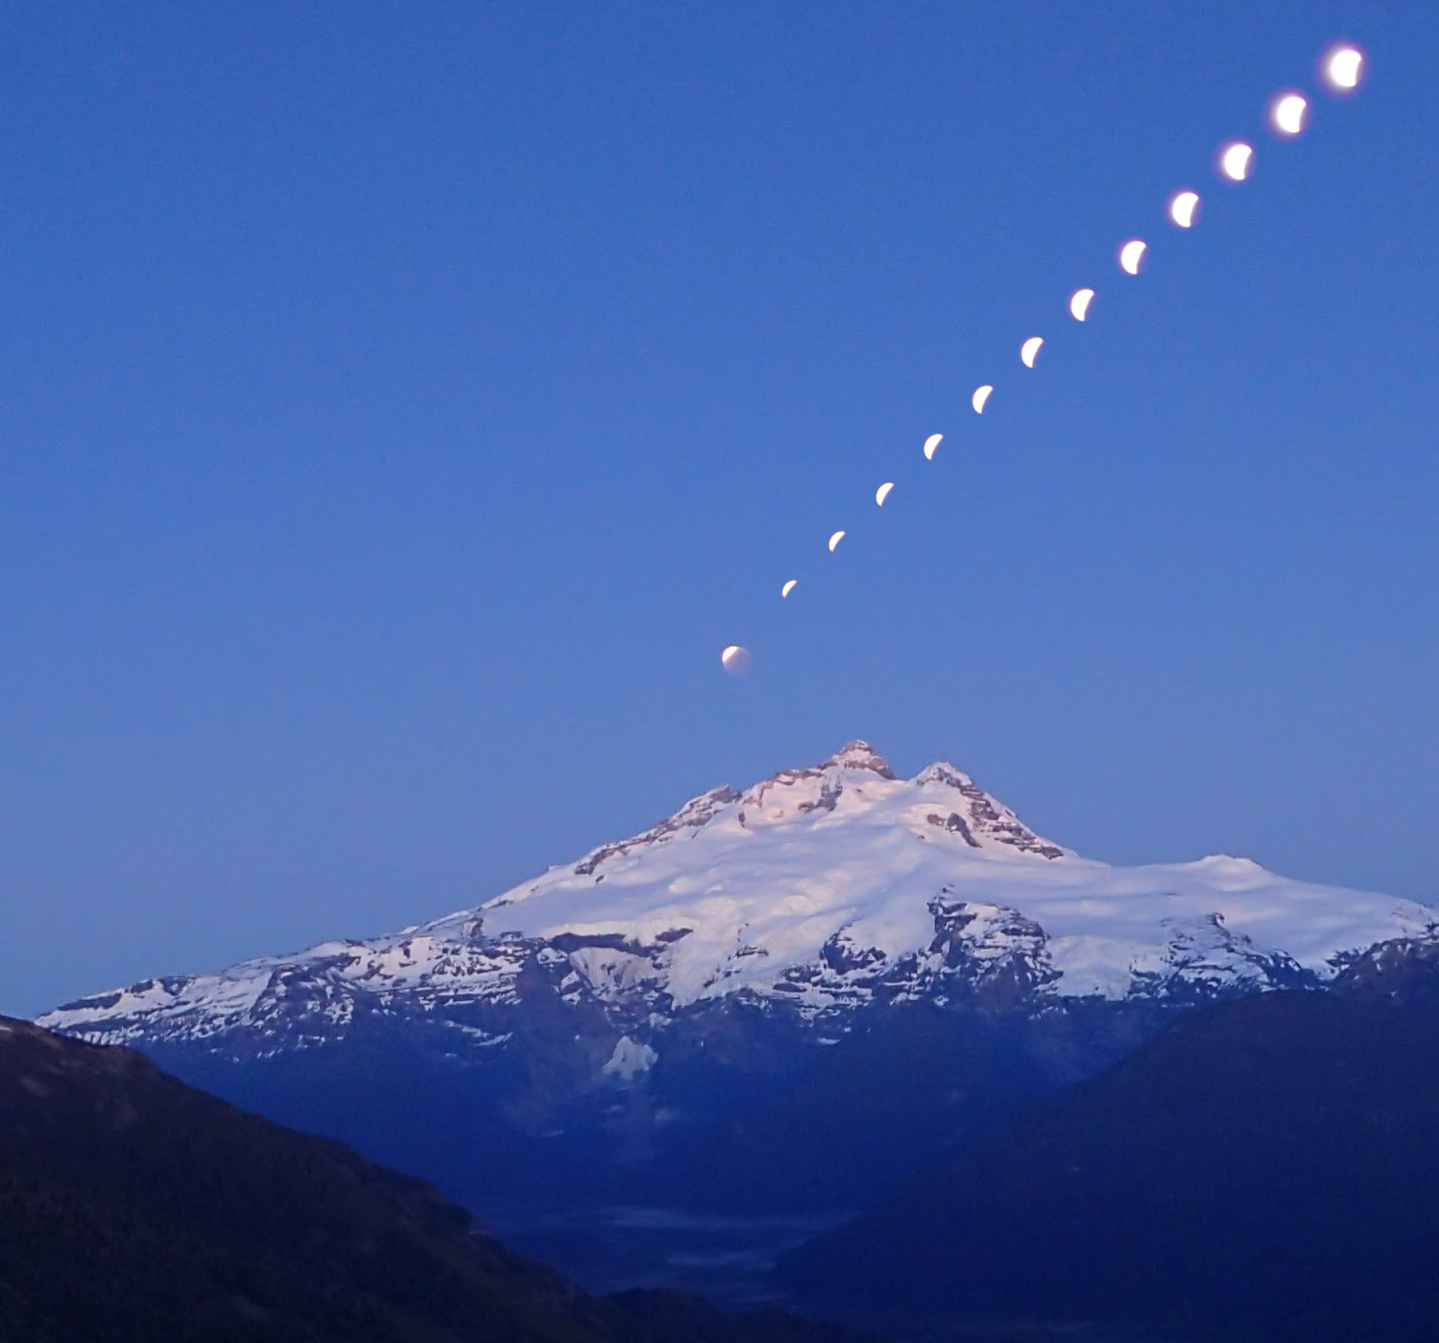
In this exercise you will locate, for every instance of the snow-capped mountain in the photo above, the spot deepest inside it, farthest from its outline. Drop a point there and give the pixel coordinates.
(814, 893)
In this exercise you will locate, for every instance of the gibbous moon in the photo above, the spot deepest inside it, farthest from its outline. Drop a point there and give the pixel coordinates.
(1235, 161)
(1131, 256)
(788, 587)
(1289, 113)
(736, 660)
(930, 444)
(835, 540)
(1079, 302)
(1344, 67)
(981, 395)
(1029, 351)
(881, 494)
(1183, 206)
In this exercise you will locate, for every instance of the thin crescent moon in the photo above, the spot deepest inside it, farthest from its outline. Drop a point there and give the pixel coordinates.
(1079, 302)
(930, 444)
(981, 395)
(1131, 256)
(881, 494)
(788, 587)
(1235, 160)
(835, 540)
(1182, 207)
(1029, 351)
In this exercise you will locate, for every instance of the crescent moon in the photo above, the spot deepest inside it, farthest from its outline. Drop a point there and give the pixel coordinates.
(1029, 351)
(881, 494)
(1079, 302)
(1182, 207)
(788, 587)
(1342, 67)
(981, 395)
(1235, 160)
(930, 444)
(730, 653)
(835, 540)
(1131, 256)
(1289, 113)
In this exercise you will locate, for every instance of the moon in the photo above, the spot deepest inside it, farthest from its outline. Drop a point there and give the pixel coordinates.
(835, 540)
(881, 494)
(930, 444)
(1183, 207)
(1290, 113)
(1344, 67)
(788, 587)
(1029, 351)
(736, 660)
(981, 395)
(1079, 302)
(1235, 160)
(1131, 256)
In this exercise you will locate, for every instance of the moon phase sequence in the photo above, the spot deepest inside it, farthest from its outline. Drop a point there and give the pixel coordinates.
(1342, 67)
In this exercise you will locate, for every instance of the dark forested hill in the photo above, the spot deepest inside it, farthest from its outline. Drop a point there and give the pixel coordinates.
(1264, 1169)
(134, 1208)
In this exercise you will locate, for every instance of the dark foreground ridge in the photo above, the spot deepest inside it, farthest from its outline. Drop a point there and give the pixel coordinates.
(135, 1208)
(1263, 1170)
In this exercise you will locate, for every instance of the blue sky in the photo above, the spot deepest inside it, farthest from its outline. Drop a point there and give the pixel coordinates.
(402, 405)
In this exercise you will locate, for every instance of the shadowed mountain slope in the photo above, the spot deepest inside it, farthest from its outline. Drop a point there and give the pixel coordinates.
(1268, 1165)
(134, 1208)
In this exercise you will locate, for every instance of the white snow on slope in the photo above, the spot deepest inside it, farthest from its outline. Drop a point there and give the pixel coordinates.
(734, 890)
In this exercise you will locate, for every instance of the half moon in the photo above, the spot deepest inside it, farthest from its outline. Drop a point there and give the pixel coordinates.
(788, 587)
(1183, 206)
(1029, 351)
(835, 540)
(1131, 256)
(1289, 113)
(1235, 160)
(881, 494)
(1079, 302)
(930, 444)
(981, 395)
(736, 659)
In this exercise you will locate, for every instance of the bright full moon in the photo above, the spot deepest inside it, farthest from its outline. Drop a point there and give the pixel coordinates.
(981, 395)
(1343, 67)
(1079, 302)
(1183, 207)
(1235, 161)
(1131, 256)
(1290, 113)
(1029, 351)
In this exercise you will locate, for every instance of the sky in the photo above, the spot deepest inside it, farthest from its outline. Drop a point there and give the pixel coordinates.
(401, 406)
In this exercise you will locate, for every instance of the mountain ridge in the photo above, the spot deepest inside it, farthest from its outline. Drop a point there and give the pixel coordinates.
(815, 891)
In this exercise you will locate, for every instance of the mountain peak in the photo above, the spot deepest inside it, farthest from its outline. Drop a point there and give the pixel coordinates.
(859, 754)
